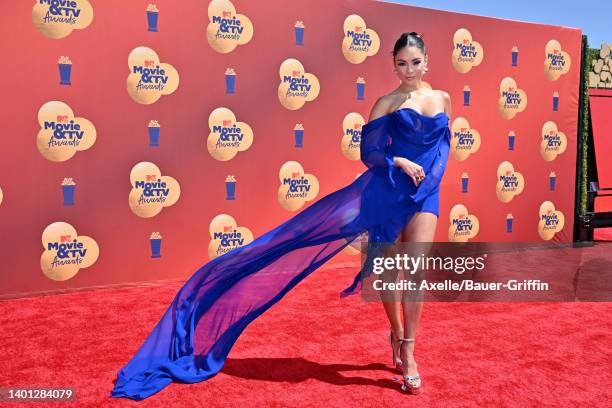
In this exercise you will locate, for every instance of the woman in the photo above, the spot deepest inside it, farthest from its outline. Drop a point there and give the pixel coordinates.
(396, 196)
(410, 62)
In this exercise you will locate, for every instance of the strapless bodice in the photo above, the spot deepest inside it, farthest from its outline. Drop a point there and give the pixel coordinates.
(414, 134)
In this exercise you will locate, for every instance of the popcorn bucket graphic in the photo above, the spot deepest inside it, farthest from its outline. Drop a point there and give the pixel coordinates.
(552, 180)
(155, 240)
(464, 182)
(360, 88)
(230, 188)
(153, 137)
(154, 133)
(65, 67)
(64, 70)
(299, 138)
(511, 137)
(68, 193)
(466, 95)
(509, 220)
(299, 33)
(514, 56)
(230, 81)
(555, 101)
(152, 20)
(298, 134)
(152, 13)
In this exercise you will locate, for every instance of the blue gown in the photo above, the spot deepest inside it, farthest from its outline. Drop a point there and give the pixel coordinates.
(192, 340)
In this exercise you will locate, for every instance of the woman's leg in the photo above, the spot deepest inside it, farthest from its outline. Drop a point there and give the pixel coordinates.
(422, 228)
(392, 304)
(393, 310)
(391, 300)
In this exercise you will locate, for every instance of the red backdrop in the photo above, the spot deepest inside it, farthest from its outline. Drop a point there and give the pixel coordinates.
(30, 183)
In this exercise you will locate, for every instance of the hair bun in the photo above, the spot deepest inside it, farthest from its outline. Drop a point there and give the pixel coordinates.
(412, 39)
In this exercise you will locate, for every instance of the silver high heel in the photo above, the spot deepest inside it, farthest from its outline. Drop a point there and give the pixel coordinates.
(412, 383)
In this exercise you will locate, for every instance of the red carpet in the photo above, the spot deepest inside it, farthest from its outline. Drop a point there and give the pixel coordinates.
(313, 349)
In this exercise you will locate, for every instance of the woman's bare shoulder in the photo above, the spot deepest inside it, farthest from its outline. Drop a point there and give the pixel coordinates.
(381, 106)
(444, 97)
(440, 92)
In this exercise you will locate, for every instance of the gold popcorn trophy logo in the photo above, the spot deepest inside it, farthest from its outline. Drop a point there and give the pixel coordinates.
(510, 183)
(463, 226)
(227, 29)
(149, 78)
(553, 142)
(62, 134)
(66, 252)
(512, 99)
(467, 53)
(359, 42)
(464, 139)
(551, 221)
(297, 86)
(556, 62)
(351, 139)
(226, 235)
(227, 136)
(56, 19)
(151, 191)
(296, 187)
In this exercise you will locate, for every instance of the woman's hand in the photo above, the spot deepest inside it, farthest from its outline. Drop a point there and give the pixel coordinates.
(414, 170)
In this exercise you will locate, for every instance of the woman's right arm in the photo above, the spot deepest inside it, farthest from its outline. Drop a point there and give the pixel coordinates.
(375, 138)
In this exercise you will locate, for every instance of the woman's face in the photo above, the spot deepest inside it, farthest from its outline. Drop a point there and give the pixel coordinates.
(410, 65)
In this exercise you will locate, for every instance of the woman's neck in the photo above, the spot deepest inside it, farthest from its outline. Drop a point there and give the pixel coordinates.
(408, 89)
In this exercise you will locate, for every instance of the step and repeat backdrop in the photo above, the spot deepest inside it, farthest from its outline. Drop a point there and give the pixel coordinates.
(143, 139)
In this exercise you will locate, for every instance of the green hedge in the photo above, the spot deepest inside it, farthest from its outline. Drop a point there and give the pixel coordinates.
(593, 53)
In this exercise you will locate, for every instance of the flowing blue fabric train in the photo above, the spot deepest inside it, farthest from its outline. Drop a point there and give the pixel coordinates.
(193, 338)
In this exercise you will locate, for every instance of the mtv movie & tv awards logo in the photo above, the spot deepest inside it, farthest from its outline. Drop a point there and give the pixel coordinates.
(351, 139)
(227, 29)
(553, 142)
(296, 187)
(57, 18)
(149, 79)
(511, 99)
(464, 140)
(151, 191)
(66, 252)
(359, 42)
(551, 221)
(463, 225)
(297, 86)
(467, 53)
(226, 235)
(557, 62)
(62, 134)
(510, 183)
(227, 136)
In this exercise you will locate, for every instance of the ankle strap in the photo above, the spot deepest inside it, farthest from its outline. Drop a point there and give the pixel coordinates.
(408, 340)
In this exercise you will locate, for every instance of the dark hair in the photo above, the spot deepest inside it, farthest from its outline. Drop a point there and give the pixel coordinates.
(411, 39)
